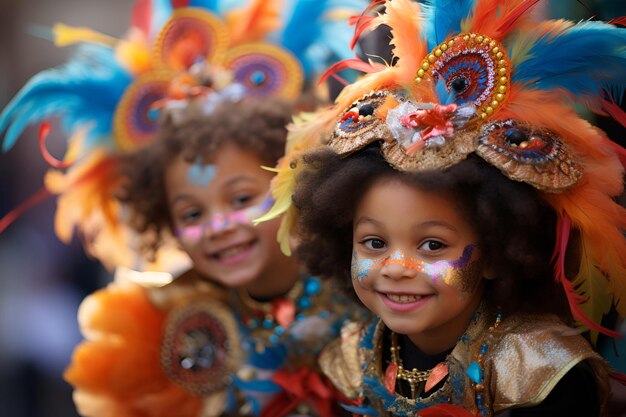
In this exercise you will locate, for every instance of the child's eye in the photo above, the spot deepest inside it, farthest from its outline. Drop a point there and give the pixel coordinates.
(242, 201)
(374, 243)
(190, 216)
(432, 246)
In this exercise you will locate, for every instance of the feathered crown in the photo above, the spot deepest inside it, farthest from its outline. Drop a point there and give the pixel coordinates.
(192, 54)
(481, 77)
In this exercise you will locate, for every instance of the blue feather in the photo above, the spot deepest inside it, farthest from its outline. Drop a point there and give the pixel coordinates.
(307, 29)
(360, 410)
(85, 90)
(161, 12)
(445, 96)
(218, 7)
(582, 59)
(302, 28)
(443, 18)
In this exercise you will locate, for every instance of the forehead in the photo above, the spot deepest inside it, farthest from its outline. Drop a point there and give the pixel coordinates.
(225, 164)
(393, 201)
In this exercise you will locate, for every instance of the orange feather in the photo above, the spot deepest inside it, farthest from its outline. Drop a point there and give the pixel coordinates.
(117, 370)
(405, 19)
(496, 18)
(254, 21)
(589, 204)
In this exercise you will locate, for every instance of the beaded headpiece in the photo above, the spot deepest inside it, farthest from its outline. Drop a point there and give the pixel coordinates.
(182, 57)
(482, 77)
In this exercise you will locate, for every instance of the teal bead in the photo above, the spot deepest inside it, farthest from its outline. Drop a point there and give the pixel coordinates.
(304, 303)
(475, 373)
(313, 286)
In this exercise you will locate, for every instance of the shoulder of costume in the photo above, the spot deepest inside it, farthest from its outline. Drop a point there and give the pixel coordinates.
(531, 354)
(340, 360)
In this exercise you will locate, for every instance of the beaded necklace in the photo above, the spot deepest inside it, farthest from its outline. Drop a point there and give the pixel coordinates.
(270, 320)
(379, 386)
(475, 368)
(414, 377)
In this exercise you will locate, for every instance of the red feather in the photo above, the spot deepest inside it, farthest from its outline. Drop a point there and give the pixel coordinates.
(445, 410)
(512, 17)
(621, 21)
(574, 299)
(140, 16)
(610, 106)
(44, 130)
(180, 3)
(362, 22)
(352, 63)
(17, 212)
(619, 377)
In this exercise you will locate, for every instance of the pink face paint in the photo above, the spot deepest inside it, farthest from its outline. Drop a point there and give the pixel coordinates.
(191, 233)
(459, 273)
(219, 221)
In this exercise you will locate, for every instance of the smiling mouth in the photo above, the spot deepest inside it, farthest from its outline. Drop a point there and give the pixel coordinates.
(232, 251)
(403, 298)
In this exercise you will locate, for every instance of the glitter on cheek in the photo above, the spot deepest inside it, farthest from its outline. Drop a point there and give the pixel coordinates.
(360, 268)
(438, 271)
(461, 274)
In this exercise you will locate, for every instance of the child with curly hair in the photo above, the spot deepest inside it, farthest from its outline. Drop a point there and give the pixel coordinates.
(464, 203)
(171, 127)
(240, 331)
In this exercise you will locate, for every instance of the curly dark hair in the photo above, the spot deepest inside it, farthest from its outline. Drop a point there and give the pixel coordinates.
(515, 226)
(257, 126)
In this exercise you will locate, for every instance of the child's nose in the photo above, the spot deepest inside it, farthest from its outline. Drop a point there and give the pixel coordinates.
(220, 224)
(397, 267)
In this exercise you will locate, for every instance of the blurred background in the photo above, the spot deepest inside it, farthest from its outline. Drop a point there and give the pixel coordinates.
(42, 280)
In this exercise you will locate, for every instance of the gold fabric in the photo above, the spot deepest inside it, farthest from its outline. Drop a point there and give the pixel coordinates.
(527, 356)
(530, 356)
(341, 363)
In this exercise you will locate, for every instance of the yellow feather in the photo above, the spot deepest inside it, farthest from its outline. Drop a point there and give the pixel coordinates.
(594, 286)
(65, 35)
(520, 45)
(308, 131)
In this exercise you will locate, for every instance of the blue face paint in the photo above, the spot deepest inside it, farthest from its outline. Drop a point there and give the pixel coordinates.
(200, 173)
(360, 268)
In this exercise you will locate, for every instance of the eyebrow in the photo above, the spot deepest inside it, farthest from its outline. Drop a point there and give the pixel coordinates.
(429, 223)
(435, 223)
(181, 197)
(368, 220)
(235, 180)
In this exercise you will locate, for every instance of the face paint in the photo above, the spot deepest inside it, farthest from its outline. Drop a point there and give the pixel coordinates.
(219, 222)
(460, 273)
(201, 174)
(360, 268)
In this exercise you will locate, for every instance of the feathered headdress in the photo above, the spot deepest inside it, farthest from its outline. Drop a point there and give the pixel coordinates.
(177, 54)
(481, 77)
